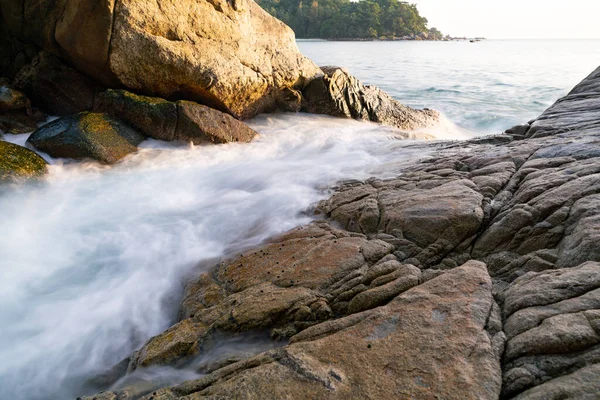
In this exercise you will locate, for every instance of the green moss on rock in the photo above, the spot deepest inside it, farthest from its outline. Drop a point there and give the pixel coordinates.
(87, 135)
(19, 163)
(152, 116)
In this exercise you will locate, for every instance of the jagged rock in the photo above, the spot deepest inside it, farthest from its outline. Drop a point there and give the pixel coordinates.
(427, 215)
(582, 384)
(340, 94)
(526, 206)
(18, 163)
(164, 120)
(439, 329)
(56, 88)
(579, 110)
(229, 55)
(86, 135)
(553, 330)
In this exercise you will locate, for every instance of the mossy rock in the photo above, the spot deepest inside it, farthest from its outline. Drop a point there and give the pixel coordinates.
(164, 120)
(151, 116)
(87, 136)
(19, 163)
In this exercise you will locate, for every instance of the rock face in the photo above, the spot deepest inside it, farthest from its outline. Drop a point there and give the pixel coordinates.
(18, 163)
(164, 120)
(553, 331)
(394, 305)
(86, 135)
(438, 327)
(340, 94)
(16, 114)
(229, 55)
(56, 88)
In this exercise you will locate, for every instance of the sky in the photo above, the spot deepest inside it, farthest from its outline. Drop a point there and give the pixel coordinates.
(514, 19)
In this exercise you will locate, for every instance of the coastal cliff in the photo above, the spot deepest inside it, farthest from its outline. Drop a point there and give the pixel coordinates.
(472, 275)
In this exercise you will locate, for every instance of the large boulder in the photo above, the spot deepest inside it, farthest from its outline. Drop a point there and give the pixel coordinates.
(18, 163)
(340, 94)
(230, 55)
(164, 120)
(87, 135)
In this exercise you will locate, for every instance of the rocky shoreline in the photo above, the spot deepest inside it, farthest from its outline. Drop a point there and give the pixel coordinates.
(475, 274)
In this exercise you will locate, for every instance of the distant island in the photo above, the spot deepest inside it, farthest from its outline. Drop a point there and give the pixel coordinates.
(353, 20)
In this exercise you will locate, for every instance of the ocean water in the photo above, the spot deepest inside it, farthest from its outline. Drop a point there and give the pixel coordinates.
(484, 87)
(94, 259)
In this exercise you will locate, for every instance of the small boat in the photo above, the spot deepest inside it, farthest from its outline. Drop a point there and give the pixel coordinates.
(472, 40)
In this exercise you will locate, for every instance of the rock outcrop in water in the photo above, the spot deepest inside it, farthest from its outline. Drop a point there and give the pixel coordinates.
(340, 94)
(473, 275)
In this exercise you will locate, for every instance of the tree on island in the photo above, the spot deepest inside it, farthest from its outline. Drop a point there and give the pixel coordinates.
(344, 19)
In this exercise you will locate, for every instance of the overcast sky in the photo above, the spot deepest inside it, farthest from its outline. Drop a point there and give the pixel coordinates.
(514, 19)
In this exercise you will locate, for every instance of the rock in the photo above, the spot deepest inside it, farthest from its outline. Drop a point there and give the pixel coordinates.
(18, 163)
(16, 114)
(86, 135)
(56, 88)
(201, 124)
(340, 94)
(426, 215)
(518, 130)
(152, 116)
(228, 55)
(553, 330)
(381, 309)
(582, 384)
(580, 109)
(164, 120)
(439, 328)
(13, 100)
(13, 53)
(16, 123)
(408, 276)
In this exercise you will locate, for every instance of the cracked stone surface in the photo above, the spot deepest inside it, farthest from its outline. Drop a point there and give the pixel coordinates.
(473, 274)
(340, 94)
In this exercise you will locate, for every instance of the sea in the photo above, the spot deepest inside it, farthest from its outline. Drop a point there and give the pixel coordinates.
(94, 259)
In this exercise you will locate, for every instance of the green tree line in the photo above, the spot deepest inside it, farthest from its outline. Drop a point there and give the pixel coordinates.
(344, 19)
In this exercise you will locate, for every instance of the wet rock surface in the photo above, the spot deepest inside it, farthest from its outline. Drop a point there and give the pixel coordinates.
(18, 163)
(474, 274)
(340, 94)
(86, 136)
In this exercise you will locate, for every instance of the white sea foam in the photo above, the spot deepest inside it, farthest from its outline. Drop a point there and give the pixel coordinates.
(94, 259)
